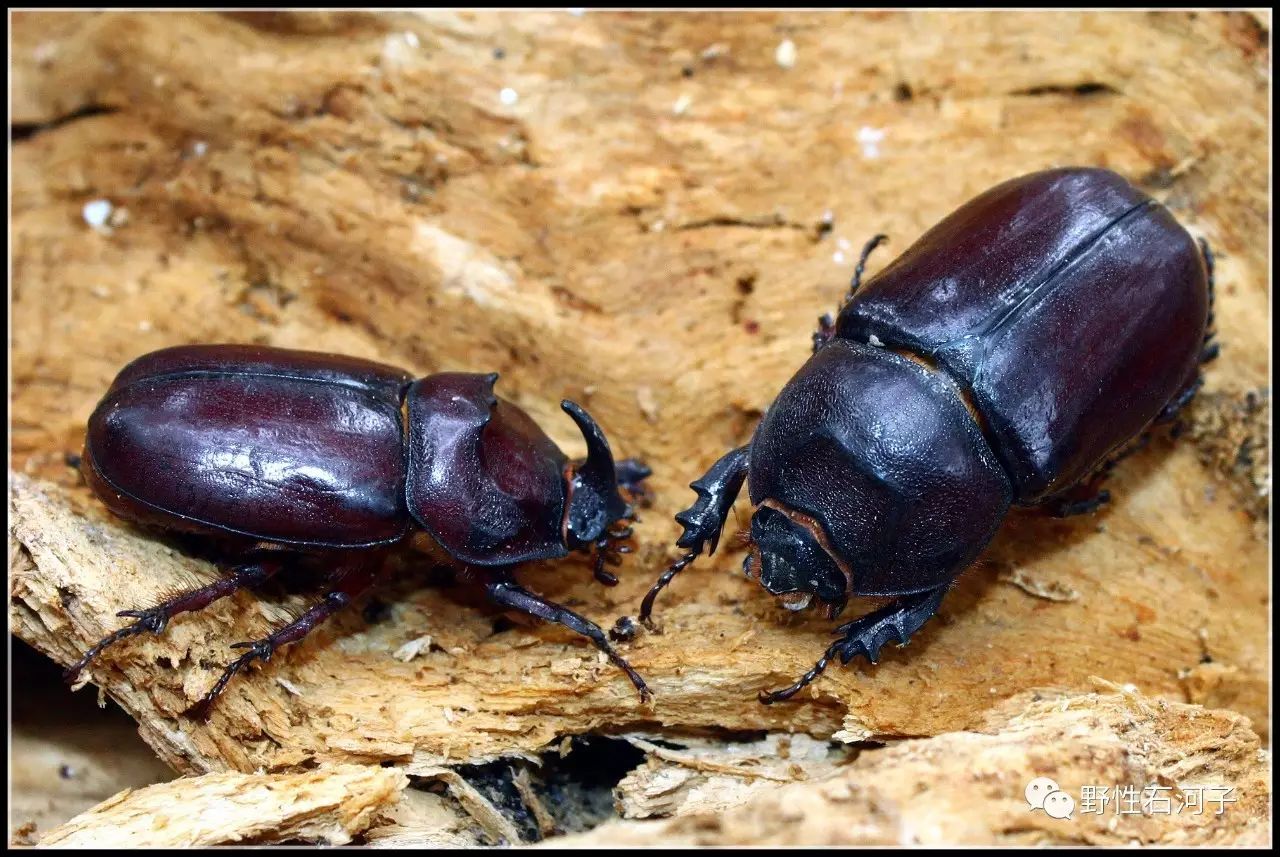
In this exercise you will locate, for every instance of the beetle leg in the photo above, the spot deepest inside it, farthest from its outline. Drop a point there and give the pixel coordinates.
(1067, 508)
(826, 330)
(646, 606)
(602, 554)
(704, 520)
(348, 583)
(1089, 496)
(1171, 410)
(631, 473)
(155, 619)
(868, 634)
(508, 593)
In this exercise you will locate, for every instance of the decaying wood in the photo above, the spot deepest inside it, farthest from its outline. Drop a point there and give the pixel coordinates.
(1232, 434)
(969, 787)
(645, 213)
(328, 806)
(424, 820)
(707, 776)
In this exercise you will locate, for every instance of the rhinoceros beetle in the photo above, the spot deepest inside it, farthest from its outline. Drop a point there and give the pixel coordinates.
(1009, 357)
(280, 455)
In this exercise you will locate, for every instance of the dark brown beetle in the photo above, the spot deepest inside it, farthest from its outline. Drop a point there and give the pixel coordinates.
(1010, 356)
(278, 454)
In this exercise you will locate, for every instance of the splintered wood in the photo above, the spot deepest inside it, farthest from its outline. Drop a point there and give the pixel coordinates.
(327, 807)
(645, 213)
(971, 787)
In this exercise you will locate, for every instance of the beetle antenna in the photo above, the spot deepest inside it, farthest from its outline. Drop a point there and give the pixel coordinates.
(875, 242)
(646, 606)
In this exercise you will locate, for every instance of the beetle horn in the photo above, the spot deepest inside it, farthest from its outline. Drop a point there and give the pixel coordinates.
(594, 502)
(598, 469)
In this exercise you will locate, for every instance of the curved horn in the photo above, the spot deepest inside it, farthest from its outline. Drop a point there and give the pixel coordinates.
(598, 469)
(595, 502)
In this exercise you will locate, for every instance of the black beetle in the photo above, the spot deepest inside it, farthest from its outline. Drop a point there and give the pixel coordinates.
(1010, 356)
(278, 454)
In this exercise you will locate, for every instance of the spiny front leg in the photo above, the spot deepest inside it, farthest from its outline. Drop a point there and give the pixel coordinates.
(508, 593)
(868, 634)
(348, 582)
(155, 619)
(704, 520)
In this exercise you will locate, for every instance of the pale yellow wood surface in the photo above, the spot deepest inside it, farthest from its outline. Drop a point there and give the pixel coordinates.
(327, 806)
(1199, 777)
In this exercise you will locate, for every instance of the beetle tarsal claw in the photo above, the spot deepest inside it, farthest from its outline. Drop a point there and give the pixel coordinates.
(153, 620)
(258, 649)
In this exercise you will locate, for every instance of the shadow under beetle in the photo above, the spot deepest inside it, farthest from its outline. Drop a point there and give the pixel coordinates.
(278, 454)
(1009, 357)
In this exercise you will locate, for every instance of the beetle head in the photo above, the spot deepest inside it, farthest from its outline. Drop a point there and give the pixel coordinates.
(791, 562)
(594, 501)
